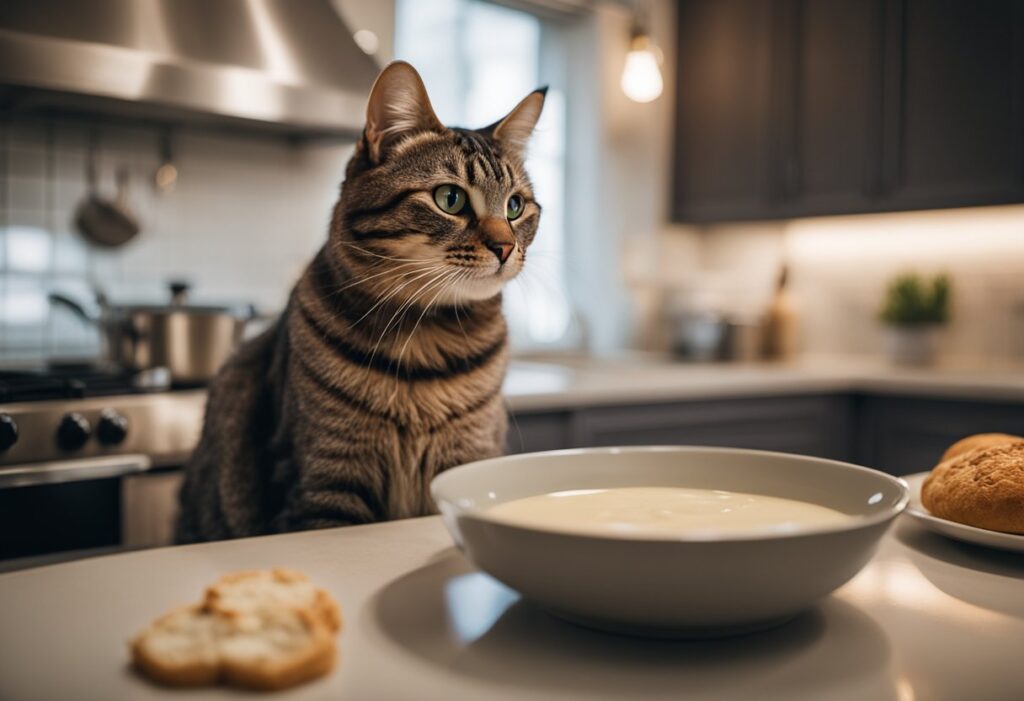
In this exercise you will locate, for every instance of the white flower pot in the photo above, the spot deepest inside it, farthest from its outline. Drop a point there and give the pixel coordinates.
(913, 345)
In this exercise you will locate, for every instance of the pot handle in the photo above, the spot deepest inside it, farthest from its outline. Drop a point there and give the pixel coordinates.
(68, 303)
(179, 291)
(249, 319)
(135, 332)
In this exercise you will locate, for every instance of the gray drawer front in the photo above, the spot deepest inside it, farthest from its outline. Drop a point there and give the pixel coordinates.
(811, 425)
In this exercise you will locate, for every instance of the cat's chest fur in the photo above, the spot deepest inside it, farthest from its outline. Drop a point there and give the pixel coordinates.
(356, 408)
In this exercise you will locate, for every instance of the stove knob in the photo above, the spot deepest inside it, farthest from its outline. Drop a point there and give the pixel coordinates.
(8, 432)
(73, 431)
(112, 428)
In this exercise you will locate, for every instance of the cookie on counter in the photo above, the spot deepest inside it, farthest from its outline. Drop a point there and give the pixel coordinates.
(983, 487)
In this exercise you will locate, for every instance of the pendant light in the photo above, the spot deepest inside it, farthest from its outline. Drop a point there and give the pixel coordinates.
(641, 76)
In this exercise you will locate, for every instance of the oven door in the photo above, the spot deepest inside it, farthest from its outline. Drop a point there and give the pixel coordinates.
(63, 506)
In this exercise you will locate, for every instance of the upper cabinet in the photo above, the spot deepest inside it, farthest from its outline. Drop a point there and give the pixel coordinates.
(722, 144)
(959, 128)
(829, 78)
(808, 107)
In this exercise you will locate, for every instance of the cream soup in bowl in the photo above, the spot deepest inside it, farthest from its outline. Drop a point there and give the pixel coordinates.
(638, 540)
(664, 511)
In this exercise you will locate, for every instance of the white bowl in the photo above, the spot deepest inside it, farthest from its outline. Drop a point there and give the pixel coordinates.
(670, 586)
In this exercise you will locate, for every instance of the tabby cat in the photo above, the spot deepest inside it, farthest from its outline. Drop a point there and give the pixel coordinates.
(386, 366)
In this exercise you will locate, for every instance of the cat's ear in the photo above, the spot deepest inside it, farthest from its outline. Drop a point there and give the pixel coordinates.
(398, 106)
(515, 129)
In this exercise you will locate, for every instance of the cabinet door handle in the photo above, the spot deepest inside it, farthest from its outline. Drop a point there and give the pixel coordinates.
(73, 470)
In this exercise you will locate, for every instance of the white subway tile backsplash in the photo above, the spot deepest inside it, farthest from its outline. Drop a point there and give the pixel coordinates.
(244, 219)
(27, 193)
(25, 217)
(67, 195)
(27, 162)
(840, 267)
(25, 134)
(24, 306)
(29, 249)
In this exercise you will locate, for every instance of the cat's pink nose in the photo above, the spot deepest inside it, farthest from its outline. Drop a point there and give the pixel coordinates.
(496, 235)
(501, 249)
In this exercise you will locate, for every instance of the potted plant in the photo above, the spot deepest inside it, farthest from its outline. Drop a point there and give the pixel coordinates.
(915, 309)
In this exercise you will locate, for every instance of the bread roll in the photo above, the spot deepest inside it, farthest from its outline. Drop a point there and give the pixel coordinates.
(982, 488)
(978, 440)
(259, 630)
(250, 591)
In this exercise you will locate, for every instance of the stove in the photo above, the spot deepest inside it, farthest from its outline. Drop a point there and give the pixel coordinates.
(92, 418)
(88, 458)
(76, 382)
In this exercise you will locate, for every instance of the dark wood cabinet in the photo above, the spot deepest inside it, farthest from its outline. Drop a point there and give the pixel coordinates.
(831, 81)
(903, 435)
(808, 107)
(810, 425)
(722, 144)
(959, 126)
(533, 431)
(897, 434)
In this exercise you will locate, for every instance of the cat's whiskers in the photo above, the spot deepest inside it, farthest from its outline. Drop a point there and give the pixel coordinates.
(371, 253)
(405, 306)
(458, 319)
(389, 270)
(444, 285)
(394, 291)
(439, 281)
(368, 252)
(409, 306)
(439, 270)
(530, 275)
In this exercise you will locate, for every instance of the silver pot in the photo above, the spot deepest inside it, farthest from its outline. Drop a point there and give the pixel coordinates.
(191, 341)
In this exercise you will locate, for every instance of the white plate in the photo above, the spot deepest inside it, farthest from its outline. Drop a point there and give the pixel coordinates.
(952, 529)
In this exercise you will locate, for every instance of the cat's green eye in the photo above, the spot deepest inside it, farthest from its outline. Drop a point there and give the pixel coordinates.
(515, 207)
(450, 198)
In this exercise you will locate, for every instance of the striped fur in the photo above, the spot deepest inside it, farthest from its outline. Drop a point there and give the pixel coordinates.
(386, 366)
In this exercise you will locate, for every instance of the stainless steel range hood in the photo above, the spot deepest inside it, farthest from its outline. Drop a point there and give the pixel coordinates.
(290, 66)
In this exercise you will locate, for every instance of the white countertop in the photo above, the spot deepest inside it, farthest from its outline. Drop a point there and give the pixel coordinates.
(534, 386)
(927, 619)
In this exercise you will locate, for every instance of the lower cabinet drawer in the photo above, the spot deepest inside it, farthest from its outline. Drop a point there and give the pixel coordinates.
(810, 425)
(903, 435)
(529, 432)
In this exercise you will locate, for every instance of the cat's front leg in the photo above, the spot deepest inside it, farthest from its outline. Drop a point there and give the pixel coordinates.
(336, 491)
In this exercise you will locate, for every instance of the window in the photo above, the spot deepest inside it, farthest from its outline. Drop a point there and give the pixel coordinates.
(478, 60)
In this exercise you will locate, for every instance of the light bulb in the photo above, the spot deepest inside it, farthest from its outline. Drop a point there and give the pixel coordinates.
(641, 77)
(367, 41)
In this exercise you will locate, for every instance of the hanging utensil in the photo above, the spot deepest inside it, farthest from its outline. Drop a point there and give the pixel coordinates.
(166, 174)
(101, 221)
